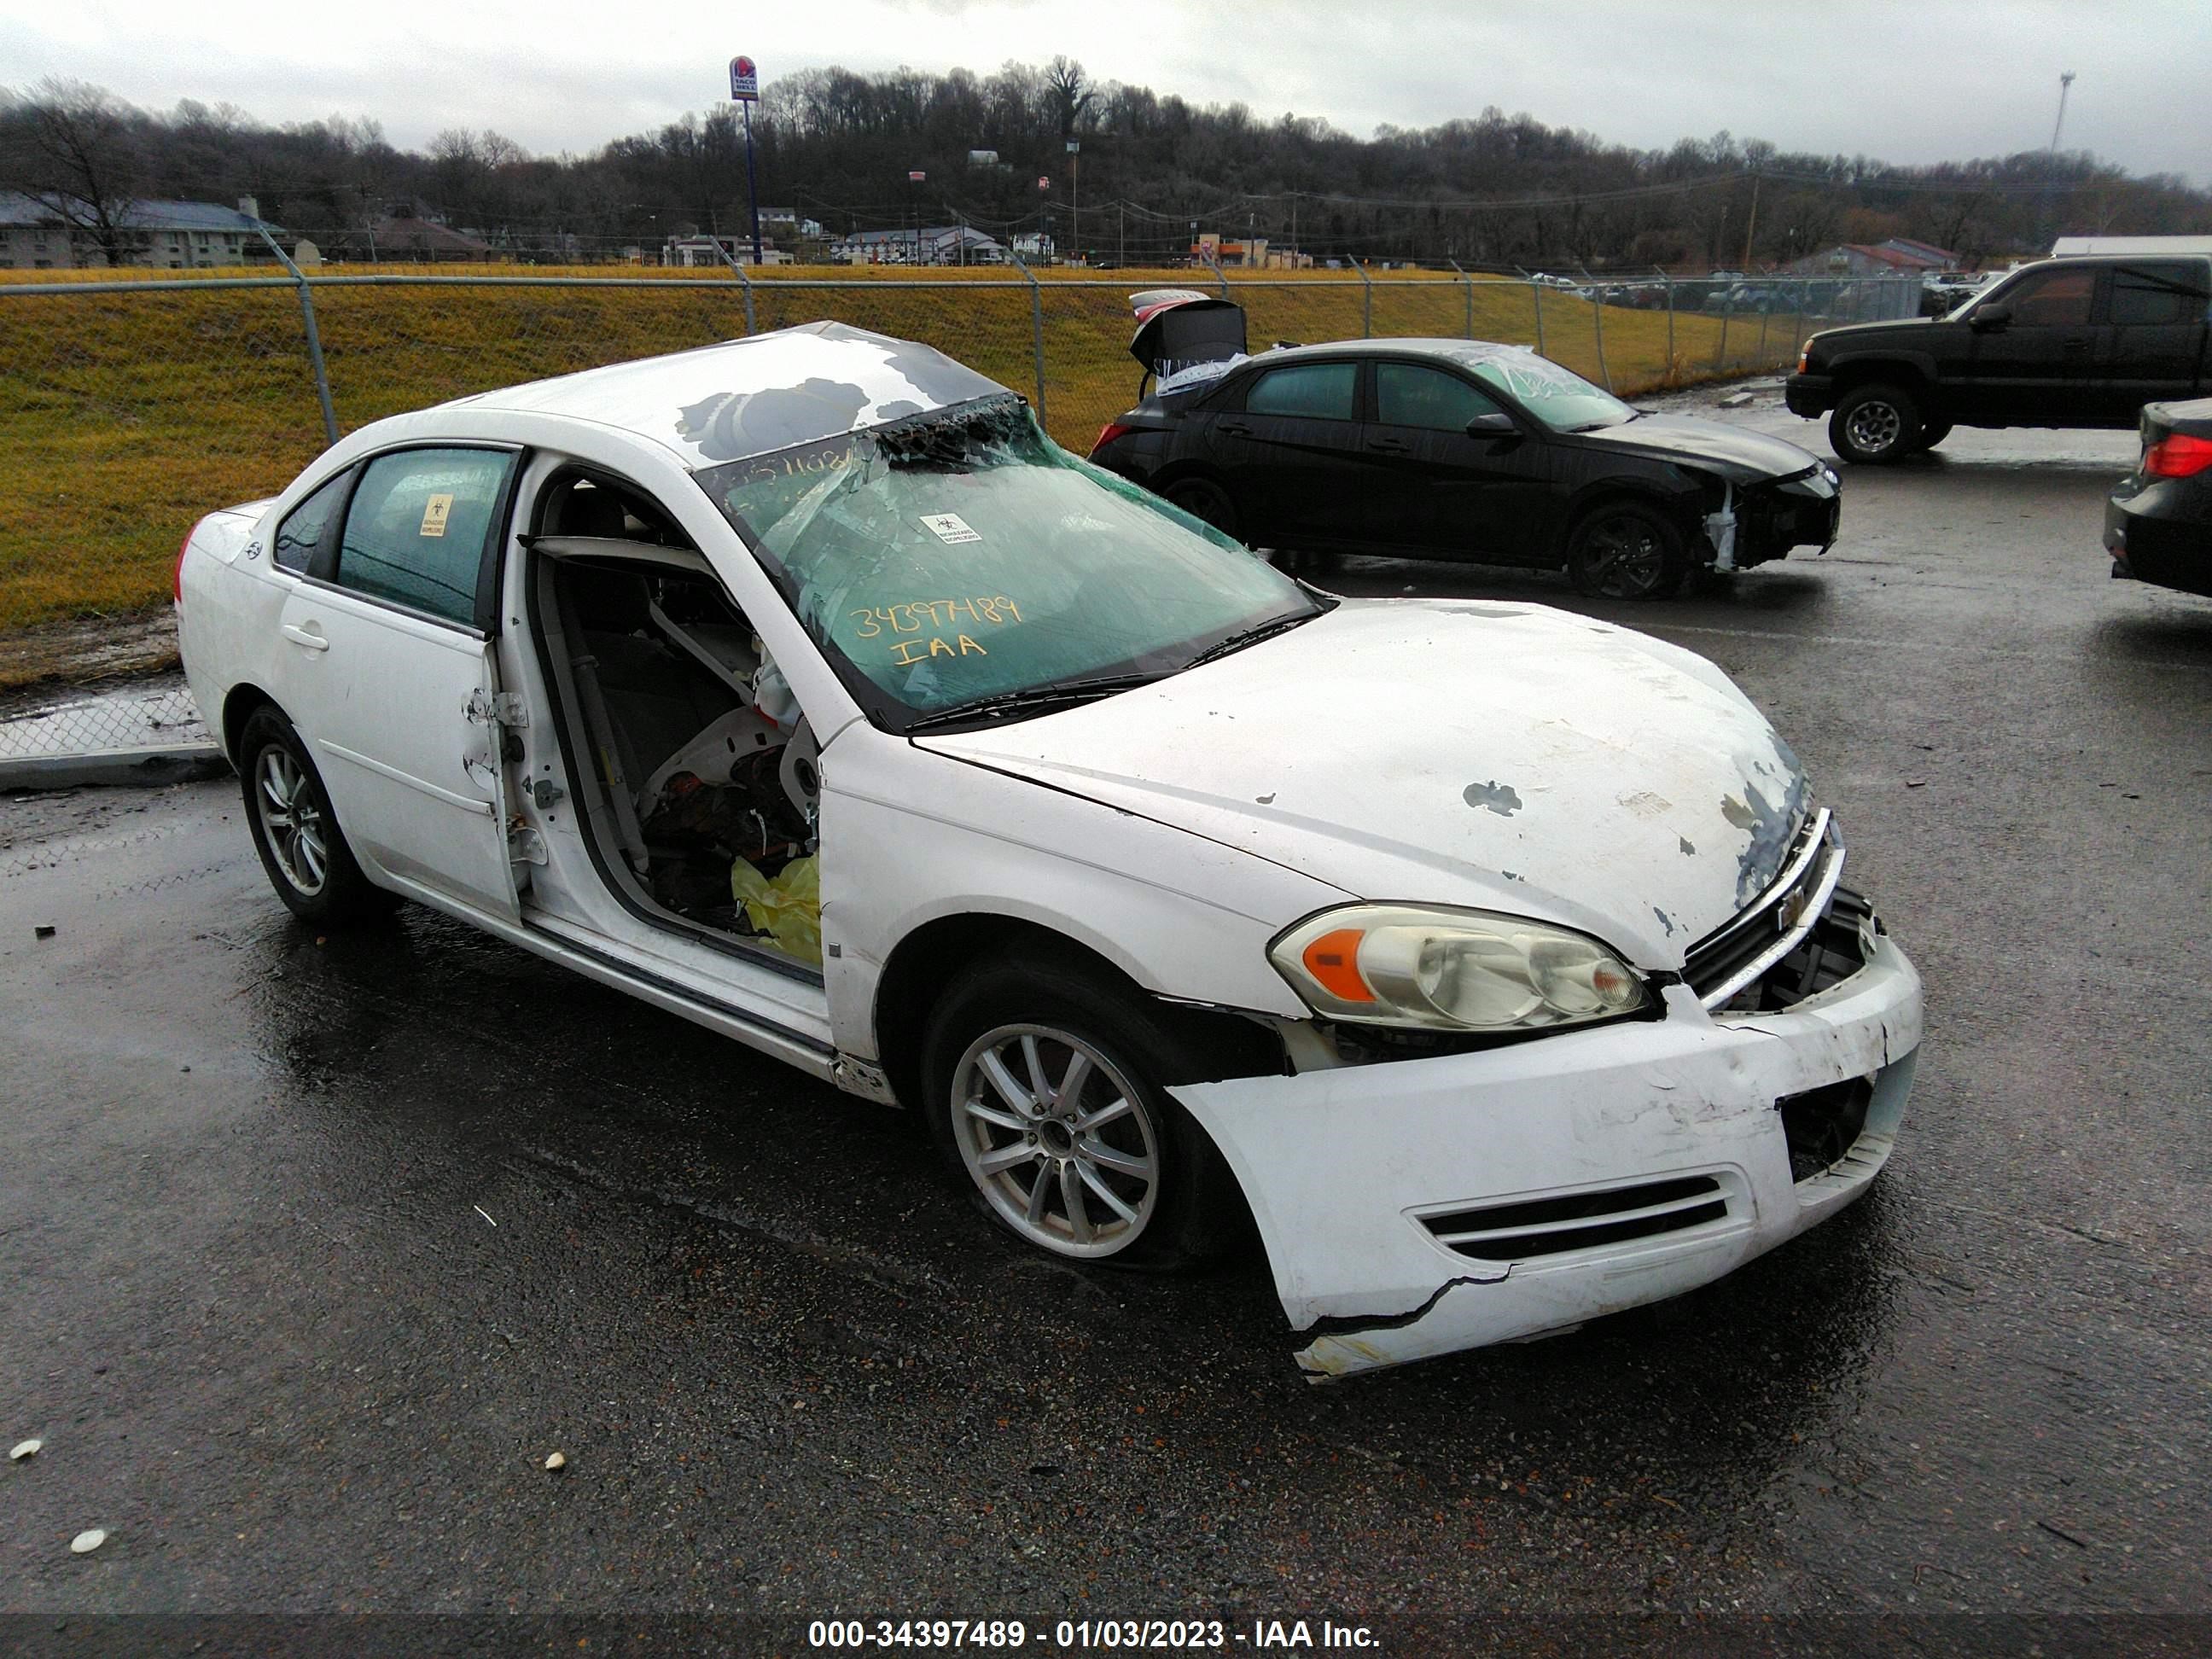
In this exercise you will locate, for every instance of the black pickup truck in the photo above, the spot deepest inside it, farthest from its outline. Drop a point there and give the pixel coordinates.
(2073, 341)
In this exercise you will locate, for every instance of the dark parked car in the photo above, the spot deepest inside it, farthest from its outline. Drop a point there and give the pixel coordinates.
(2158, 520)
(2064, 342)
(1452, 449)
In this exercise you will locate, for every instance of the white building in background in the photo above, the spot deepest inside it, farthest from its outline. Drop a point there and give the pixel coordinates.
(36, 235)
(687, 251)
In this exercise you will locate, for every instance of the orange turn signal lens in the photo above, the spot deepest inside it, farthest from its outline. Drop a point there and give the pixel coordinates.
(1334, 961)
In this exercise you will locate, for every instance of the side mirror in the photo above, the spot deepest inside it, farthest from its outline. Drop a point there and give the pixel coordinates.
(1989, 318)
(1495, 424)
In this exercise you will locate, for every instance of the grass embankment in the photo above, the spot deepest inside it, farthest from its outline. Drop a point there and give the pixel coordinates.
(124, 416)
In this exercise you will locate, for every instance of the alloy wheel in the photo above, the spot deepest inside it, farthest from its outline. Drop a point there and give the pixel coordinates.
(1874, 426)
(1625, 558)
(291, 820)
(1058, 1140)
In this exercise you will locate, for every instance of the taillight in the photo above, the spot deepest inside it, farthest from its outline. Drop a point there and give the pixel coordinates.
(1108, 433)
(177, 580)
(2176, 456)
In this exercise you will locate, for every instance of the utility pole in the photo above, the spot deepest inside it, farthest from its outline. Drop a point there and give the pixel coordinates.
(2066, 83)
(1074, 198)
(1752, 225)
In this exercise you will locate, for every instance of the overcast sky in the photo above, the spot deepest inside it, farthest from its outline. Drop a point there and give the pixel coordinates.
(1922, 81)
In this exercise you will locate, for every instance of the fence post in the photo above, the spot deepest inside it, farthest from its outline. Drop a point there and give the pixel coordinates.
(314, 338)
(1670, 329)
(1467, 283)
(1219, 274)
(1765, 316)
(742, 277)
(1036, 329)
(1728, 310)
(1366, 301)
(1536, 294)
(1597, 322)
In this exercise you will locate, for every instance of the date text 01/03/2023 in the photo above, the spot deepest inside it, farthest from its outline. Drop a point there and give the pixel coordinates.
(1092, 1635)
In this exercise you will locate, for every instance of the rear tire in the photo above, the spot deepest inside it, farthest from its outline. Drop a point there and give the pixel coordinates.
(1043, 1091)
(1205, 500)
(1874, 425)
(294, 830)
(1623, 551)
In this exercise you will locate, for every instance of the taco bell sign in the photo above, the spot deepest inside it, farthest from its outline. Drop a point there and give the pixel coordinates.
(744, 81)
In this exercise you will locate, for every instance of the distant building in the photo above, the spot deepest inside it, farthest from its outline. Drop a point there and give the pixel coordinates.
(406, 239)
(1900, 255)
(36, 235)
(688, 252)
(2074, 246)
(928, 244)
(1210, 249)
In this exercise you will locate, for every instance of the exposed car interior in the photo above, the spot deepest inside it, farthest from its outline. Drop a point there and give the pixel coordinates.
(695, 772)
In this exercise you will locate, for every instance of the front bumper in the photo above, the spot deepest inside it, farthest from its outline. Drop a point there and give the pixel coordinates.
(1341, 1166)
(1808, 394)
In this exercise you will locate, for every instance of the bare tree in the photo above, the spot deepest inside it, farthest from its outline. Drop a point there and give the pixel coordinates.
(1070, 91)
(75, 148)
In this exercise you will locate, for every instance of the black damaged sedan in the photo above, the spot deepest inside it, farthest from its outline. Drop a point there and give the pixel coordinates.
(1451, 449)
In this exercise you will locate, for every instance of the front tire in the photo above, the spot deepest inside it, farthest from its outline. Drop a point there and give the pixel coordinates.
(1043, 1093)
(294, 830)
(1874, 425)
(1623, 550)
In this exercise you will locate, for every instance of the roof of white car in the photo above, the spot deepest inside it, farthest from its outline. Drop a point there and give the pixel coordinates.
(753, 396)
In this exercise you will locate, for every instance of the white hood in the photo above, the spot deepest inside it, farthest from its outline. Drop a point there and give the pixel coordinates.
(1505, 757)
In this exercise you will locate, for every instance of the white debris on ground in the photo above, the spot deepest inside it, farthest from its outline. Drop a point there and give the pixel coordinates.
(23, 1449)
(557, 1461)
(86, 1542)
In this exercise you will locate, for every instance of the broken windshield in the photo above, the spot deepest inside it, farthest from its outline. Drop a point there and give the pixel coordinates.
(962, 556)
(1559, 397)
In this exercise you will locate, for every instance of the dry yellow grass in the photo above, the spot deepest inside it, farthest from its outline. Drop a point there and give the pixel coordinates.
(124, 416)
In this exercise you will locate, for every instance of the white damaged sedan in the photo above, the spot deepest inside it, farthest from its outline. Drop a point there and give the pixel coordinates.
(1495, 960)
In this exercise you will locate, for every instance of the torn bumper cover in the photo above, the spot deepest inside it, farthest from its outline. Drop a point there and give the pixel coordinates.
(1417, 1206)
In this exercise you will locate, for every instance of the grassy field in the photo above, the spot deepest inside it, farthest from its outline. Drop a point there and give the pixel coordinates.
(124, 416)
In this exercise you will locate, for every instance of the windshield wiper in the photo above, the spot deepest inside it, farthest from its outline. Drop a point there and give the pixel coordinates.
(1252, 635)
(1034, 697)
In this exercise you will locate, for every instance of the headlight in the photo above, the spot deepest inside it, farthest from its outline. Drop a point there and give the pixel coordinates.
(1451, 970)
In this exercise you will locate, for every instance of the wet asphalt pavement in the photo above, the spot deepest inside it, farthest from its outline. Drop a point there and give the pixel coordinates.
(312, 1248)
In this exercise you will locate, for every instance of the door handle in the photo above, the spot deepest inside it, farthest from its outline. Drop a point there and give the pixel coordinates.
(1236, 430)
(1390, 445)
(308, 635)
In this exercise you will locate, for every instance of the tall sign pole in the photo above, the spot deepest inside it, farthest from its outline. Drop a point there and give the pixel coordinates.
(1074, 199)
(744, 88)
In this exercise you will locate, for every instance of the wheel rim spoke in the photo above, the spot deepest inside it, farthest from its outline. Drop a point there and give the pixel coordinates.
(1091, 1180)
(1070, 1196)
(1040, 1191)
(1072, 1079)
(1007, 1158)
(1118, 1107)
(980, 1108)
(1003, 1080)
(1033, 1062)
(1113, 1157)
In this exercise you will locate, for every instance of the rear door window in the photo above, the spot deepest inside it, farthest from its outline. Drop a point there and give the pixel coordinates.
(2156, 293)
(420, 528)
(1323, 391)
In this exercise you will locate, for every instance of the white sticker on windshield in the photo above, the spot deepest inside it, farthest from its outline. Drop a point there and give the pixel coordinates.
(949, 527)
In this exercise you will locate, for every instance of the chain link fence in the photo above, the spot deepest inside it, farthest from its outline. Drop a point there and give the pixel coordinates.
(130, 408)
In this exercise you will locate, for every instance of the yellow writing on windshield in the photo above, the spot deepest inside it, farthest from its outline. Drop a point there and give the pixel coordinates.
(933, 616)
(906, 653)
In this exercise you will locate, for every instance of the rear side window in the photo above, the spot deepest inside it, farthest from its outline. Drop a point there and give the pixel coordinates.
(2157, 294)
(302, 532)
(2054, 299)
(1322, 391)
(419, 526)
(1406, 394)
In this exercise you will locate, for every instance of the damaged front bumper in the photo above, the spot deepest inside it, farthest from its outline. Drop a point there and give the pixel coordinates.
(1417, 1206)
